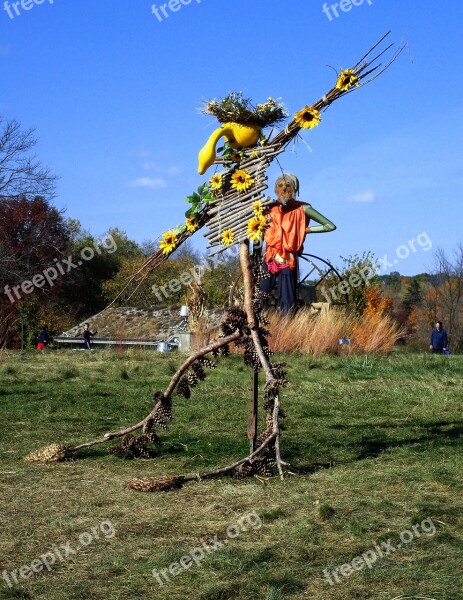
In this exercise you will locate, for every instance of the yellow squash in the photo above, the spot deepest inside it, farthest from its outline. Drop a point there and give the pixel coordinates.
(237, 136)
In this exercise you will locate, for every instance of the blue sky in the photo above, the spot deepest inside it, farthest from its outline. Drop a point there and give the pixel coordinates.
(113, 93)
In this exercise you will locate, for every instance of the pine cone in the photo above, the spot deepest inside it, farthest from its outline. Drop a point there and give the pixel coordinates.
(192, 378)
(153, 437)
(165, 409)
(199, 371)
(243, 471)
(160, 422)
(207, 362)
(183, 389)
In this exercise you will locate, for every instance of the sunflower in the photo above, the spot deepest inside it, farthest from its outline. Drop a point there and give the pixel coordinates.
(228, 237)
(257, 208)
(346, 80)
(256, 227)
(215, 182)
(191, 224)
(168, 242)
(241, 180)
(308, 117)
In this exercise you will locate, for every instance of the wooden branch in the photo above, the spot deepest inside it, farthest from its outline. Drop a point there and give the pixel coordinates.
(234, 465)
(248, 285)
(215, 345)
(276, 433)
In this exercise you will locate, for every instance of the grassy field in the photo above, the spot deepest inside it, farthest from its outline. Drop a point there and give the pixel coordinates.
(375, 446)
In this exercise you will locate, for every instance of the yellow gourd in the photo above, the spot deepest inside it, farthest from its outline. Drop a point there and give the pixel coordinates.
(237, 136)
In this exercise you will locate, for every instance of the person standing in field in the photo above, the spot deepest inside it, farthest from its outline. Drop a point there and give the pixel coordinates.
(88, 336)
(439, 340)
(43, 339)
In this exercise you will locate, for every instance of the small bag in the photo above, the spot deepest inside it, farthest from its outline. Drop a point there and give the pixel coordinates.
(275, 267)
(447, 352)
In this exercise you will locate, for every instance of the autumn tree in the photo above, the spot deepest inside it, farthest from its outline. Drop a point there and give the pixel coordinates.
(33, 237)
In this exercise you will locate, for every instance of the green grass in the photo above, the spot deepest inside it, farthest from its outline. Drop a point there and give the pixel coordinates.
(375, 446)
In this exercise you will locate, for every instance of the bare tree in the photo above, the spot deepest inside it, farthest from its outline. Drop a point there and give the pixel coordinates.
(21, 173)
(448, 287)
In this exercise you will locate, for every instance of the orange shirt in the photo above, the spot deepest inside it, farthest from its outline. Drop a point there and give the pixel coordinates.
(286, 233)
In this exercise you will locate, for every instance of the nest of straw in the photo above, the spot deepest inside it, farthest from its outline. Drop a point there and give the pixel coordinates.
(235, 108)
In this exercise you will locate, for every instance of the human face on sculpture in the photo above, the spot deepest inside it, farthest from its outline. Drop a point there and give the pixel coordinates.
(284, 191)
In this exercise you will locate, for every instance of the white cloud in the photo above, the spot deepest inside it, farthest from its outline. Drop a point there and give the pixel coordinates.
(148, 182)
(366, 196)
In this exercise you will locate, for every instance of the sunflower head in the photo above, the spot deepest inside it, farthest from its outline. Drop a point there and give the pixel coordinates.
(241, 180)
(256, 228)
(308, 117)
(168, 242)
(228, 237)
(216, 182)
(346, 80)
(257, 208)
(192, 224)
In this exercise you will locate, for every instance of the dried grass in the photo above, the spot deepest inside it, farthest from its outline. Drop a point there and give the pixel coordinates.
(375, 333)
(320, 333)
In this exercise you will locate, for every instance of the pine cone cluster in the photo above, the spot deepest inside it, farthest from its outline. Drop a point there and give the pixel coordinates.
(155, 484)
(132, 447)
(53, 453)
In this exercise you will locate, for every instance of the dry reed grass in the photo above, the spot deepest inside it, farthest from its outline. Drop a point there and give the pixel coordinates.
(320, 333)
(375, 333)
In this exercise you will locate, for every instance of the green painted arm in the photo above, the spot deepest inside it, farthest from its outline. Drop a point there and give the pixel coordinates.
(325, 224)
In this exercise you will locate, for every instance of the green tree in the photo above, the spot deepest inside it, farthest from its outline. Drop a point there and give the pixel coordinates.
(413, 296)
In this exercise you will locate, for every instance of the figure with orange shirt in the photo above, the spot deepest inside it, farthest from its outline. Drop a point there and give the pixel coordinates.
(289, 223)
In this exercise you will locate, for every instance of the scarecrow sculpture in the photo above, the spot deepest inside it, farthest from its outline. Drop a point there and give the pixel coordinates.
(288, 224)
(234, 208)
